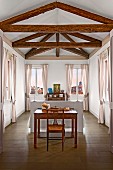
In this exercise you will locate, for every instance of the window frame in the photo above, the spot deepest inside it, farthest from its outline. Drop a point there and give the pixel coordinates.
(77, 67)
(36, 67)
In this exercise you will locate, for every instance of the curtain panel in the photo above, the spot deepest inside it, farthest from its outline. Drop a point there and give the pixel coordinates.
(85, 78)
(13, 63)
(45, 78)
(101, 84)
(28, 68)
(69, 78)
(1, 95)
(109, 81)
(4, 79)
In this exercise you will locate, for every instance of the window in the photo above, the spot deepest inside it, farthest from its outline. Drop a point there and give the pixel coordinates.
(36, 81)
(76, 89)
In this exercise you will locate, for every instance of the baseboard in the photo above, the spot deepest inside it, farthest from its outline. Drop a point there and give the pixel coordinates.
(94, 113)
(20, 113)
(7, 123)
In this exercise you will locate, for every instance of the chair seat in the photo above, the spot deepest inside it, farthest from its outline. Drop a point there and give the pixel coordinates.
(55, 128)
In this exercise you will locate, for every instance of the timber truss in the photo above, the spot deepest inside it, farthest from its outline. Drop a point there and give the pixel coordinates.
(67, 31)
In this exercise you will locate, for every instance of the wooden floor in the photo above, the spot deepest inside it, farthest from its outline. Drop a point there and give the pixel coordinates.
(92, 152)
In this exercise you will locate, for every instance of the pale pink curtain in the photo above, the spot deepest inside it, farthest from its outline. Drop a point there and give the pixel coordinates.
(109, 74)
(4, 79)
(28, 68)
(109, 81)
(101, 118)
(85, 77)
(69, 78)
(4, 73)
(45, 78)
(1, 96)
(13, 62)
(9, 80)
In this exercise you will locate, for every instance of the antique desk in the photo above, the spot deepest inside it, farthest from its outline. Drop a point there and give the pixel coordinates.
(71, 114)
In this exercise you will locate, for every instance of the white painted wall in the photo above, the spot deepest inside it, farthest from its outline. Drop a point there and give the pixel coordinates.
(20, 88)
(56, 72)
(93, 86)
(20, 85)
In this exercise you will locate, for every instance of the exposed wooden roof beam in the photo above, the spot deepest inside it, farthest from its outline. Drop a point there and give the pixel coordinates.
(83, 13)
(58, 28)
(56, 45)
(35, 51)
(31, 37)
(51, 6)
(84, 37)
(76, 51)
(71, 40)
(67, 37)
(30, 14)
(57, 49)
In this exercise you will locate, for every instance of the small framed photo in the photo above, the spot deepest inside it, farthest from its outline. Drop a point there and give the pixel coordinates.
(56, 88)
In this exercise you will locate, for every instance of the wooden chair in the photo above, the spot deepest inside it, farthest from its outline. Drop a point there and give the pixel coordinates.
(54, 127)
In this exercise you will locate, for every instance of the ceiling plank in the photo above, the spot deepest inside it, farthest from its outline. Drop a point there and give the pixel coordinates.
(57, 44)
(71, 40)
(31, 37)
(58, 28)
(83, 13)
(57, 49)
(35, 51)
(84, 37)
(30, 14)
(76, 51)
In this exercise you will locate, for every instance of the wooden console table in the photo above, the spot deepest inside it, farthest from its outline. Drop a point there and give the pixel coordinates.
(55, 96)
(39, 114)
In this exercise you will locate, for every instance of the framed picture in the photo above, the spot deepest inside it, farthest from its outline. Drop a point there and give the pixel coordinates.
(56, 88)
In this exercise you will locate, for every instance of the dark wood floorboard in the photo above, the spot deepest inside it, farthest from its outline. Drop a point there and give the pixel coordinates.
(92, 152)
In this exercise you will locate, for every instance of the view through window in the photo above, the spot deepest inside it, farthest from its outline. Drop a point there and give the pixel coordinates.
(76, 89)
(36, 81)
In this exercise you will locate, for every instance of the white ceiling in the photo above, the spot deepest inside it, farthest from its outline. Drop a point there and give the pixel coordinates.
(10, 8)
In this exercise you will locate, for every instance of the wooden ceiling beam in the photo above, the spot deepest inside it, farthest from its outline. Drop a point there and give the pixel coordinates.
(62, 6)
(58, 28)
(30, 14)
(48, 36)
(57, 49)
(71, 40)
(83, 13)
(31, 37)
(76, 51)
(84, 37)
(67, 37)
(57, 45)
(35, 51)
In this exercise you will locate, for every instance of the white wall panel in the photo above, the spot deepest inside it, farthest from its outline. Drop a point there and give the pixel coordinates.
(20, 86)
(93, 86)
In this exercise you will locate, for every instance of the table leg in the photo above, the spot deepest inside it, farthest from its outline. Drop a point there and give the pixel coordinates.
(75, 138)
(38, 128)
(35, 132)
(72, 132)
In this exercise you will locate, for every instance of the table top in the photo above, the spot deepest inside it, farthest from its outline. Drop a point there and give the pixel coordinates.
(39, 111)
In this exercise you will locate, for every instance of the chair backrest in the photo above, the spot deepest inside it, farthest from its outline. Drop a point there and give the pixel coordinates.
(55, 113)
